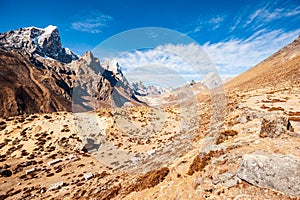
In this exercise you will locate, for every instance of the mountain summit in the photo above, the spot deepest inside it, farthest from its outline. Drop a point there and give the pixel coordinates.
(38, 41)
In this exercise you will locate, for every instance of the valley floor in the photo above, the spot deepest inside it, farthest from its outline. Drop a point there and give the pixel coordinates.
(157, 153)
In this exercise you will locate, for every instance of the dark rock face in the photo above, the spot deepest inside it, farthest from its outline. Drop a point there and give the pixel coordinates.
(29, 82)
(276, 171)
(44, 42)
(26, 88)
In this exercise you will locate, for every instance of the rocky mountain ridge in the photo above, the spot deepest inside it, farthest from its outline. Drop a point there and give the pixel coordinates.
(103, 81)
(37, 41)
(50, 68)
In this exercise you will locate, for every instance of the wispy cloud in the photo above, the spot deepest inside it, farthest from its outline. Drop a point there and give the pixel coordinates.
(191, 61)
(263, 15)
(172, 63)
(91, 22)
(216, 22)
(248, 37)
(212, 23)
(267, 14)
(251, 19)
(237, 55)
(293, 12)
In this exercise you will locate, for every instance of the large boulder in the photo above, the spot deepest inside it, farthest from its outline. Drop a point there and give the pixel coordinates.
(274, 126)
(276, 171)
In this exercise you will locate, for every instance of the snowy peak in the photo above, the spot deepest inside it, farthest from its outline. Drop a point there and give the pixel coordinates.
(38, 41)
(142, 90)
(49, 34)
(112, 66)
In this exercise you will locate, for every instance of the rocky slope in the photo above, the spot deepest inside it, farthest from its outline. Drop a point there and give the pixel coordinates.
(26, 88)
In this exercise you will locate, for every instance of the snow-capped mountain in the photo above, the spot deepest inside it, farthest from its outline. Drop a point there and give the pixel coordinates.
(37, 41)
(55, 76)
(114, 67)
(142, 90)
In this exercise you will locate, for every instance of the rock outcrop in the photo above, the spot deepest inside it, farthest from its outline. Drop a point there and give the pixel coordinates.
(276, 171)
(274, 127)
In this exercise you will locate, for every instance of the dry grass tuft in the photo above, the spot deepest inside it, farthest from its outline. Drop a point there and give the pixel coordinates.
(225, 135)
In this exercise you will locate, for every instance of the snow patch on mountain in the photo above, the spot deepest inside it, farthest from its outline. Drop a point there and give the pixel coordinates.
(145, 90)
(44, 42)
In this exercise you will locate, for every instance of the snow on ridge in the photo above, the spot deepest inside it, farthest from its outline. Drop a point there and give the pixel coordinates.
(42, 41)
(112, 65)
(49, 29)
(46, 33)
(69, 52)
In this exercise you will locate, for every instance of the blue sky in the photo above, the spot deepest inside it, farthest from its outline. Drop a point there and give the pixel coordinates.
(235, 34)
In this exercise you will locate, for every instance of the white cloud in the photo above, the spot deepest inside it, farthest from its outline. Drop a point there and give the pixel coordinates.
(216, 22)
(237, 55)
(92, 22)
(177, 62)
(213, 23)
(191, 61)
(266, 14)
(293, 12)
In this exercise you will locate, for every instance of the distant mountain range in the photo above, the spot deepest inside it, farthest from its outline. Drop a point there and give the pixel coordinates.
(39, 75)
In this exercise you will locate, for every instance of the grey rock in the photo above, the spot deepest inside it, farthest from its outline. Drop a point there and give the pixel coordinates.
(214, 147)
(88, 176)
(242, 119)
(73, 157)
(29, 171)
(56, 185)
(53, 162)
(228, 179)
(276, 171)
(274, 126)
(5, 172)
(6, 166)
